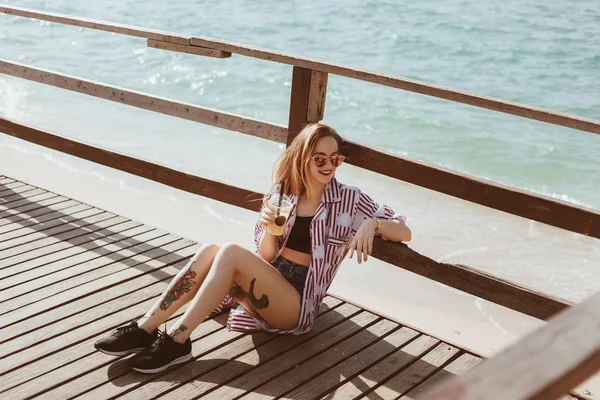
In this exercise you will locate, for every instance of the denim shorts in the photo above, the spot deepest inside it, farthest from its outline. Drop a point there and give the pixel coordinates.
(293, 272)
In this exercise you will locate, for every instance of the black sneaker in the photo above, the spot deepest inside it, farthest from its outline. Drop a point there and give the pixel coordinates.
(126, 340)
(163, 353)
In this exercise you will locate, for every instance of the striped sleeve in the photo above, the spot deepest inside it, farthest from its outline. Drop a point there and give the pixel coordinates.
(367, 208)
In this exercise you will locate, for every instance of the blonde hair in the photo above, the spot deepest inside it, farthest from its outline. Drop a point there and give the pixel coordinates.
(292, 165)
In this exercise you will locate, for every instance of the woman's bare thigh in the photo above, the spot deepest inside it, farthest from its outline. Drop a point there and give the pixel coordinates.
(266, 290)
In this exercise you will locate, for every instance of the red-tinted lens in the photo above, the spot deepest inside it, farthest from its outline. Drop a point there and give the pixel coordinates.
(337, 160)
(320, 160)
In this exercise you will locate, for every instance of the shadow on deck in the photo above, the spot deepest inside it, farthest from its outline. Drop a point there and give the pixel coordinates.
(70, 272)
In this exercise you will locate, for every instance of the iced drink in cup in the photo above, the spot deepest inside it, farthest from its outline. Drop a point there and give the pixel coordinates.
(277, 227)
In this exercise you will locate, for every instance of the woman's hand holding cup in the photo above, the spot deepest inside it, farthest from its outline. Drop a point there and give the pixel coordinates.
(266, 215)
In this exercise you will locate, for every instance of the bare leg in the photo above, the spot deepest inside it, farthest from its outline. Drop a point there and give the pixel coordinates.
(181, 289)
(272, 296)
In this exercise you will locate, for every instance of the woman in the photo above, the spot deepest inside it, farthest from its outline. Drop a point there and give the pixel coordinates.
(280, 286)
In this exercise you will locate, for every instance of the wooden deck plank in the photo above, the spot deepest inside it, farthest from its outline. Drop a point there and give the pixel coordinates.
(64, 289)
(47, 376)
(18, 195)
(416, 373)
(67, 223)
(302, 373)
(16, 360)
(16, 213)
(42, 214)
(123, 379)
(138, 289)
(63, 249)
(17, 338)
(63, 269)
(223, 363)
(457, 367)
(30, 263)
(82, 268)
(397, 361)
(70, 363)
(332, 377)
(91, 216)
(85, 229)
(13, 188)
(31, 202)
(8, 185)
(46, 222)
(22, 192)
(287, 360)
(67, 208)
(130, 268)
(106, 381)
(90, 303)
(22, 218)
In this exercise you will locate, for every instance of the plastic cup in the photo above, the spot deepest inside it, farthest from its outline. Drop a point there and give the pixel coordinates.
(277, 227)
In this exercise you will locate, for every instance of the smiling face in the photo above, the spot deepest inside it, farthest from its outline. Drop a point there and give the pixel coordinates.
(326, 147)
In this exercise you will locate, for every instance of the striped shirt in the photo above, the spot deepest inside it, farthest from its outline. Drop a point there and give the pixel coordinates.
(340, 213)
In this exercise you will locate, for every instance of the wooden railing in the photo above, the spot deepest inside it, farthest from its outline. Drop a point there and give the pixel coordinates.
(541, 366)
(309, 90)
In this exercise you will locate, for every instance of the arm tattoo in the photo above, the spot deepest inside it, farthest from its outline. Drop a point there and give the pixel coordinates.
(180, 288)
(259, 304)
(180, 329)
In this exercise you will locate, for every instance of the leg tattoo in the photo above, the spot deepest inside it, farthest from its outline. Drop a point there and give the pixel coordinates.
(237, 292)
(180, 329)
(259, 304)
(182, 286)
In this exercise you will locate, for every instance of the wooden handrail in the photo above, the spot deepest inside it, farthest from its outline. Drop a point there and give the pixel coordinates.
(123, 29)
(459, 277)
(174, 108)
(537, 207)
(411, 85)
(544, 365)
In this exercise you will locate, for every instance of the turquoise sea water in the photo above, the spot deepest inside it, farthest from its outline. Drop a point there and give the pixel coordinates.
(535, 52)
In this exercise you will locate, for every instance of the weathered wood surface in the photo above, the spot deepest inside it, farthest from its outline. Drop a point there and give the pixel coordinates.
(46, 348)
(168, 176)
(518, 202)
(470, 280)
(544, 365)
(307, 102)
(137, 99)
(94, 24)
(186, 48)
(411, 85)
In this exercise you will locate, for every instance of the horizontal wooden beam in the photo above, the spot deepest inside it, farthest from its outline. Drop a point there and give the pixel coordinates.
(470, 281)
(456, 276)
(178, 109)
(411, 85)
(229, 194)
(129, 30)
(537, 207)
(185, 48)
(544, 365)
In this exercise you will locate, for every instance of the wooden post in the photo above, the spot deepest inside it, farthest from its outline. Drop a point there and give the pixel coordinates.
(307, 105)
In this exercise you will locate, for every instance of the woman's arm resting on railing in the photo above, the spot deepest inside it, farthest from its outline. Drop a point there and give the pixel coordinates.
(394, 230)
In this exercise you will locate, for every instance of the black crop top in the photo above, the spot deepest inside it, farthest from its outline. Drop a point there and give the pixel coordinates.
(299, 238)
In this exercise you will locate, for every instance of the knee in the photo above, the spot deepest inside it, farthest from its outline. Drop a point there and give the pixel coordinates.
(230, 250)
(207, 248)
